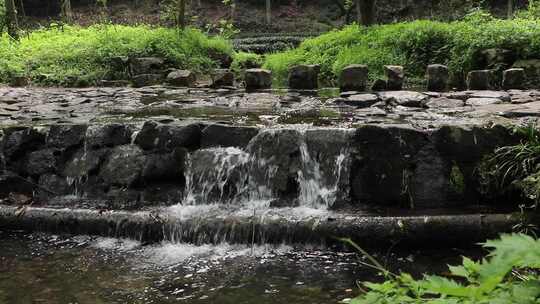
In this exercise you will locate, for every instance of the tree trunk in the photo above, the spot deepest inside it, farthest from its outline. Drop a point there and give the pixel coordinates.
(268, 11)
(365, 12)
(510, 9)
(233, 10)
(11, 19)
(181, 14)
(66, 11)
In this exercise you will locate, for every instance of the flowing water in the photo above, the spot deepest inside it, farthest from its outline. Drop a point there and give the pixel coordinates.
(40, 268)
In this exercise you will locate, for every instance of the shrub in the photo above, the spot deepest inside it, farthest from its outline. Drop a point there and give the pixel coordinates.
(244, 61)
(52, 56)
(414, 45)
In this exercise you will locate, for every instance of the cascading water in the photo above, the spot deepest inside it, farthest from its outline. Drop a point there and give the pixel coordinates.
(263, 172)
(283, 168)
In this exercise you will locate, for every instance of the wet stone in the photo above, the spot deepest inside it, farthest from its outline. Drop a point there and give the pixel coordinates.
(166, 138)
(145, 80)
(66, 136)
(502, 95)
(84, 162)
(222, 78)
(513, 79)
(379, 85)
(437, 77)
(361, 100)
(217, 135)
(395, 75)
(304, 77)
(42, 161)
(108, 135)
(165, 166)
(482, 101)
(404, 98)
(181, 78)
(18, 141)
(123, 166)
(147, 65)
(479, 80)
(443, 102)
(258, 79)
(354, 78)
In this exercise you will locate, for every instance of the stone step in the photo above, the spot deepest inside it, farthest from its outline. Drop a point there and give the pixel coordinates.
(163, 225)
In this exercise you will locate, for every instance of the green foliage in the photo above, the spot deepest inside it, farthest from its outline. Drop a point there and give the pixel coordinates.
(515, 167)
(244, 61)
(532, 11)
(508, 275)
(2, 14)
(414, 45)
(54, 56)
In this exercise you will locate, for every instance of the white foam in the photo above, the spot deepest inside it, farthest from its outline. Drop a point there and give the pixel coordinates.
(115, 244)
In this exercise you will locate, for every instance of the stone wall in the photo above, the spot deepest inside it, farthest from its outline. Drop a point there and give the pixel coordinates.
(131, 166)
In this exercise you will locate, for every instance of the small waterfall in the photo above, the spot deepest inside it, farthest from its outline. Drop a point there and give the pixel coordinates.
(216, 175)
(278, 165)
(317, 187)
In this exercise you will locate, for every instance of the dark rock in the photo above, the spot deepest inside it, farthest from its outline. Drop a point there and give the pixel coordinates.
(437, 77)
(53, 185)
(13, 183)
(443, 102)
(18, 141)
(222, 78)
(304, 77)
(354, 78)
(404, 98)
(479, 80)
(66, 136)
(281, 149)
(19, 81)
(84, 163)
(513, 79)
(395, 76)
(497, 59)
(531, 67)
(123, 166)
(109, 135)
(144, 80)
(384, 164)
(154, 136)
(471, 144)
(165, 166)
(181, 78)
(147, 65)
(378, 85)
(258, 79)
(217, 135)
(42, 161)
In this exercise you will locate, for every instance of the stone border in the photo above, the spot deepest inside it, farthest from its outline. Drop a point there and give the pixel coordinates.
(367, 231)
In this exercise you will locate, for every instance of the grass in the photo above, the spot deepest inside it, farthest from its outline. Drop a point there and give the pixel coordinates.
(54, 56)
(413, 45)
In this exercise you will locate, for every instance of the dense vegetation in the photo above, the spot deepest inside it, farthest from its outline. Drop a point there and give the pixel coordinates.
(414, 45)
(510, 274)
(57, 55)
